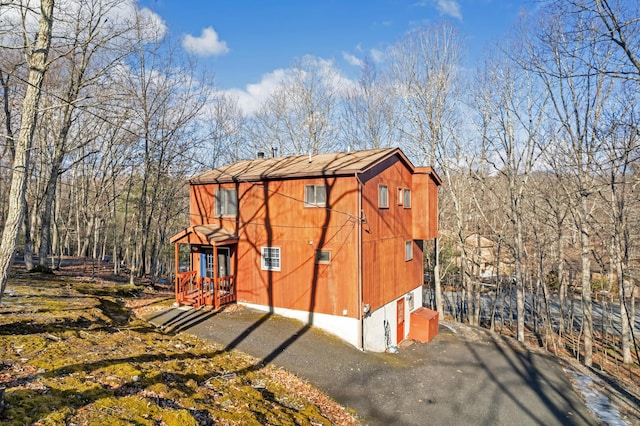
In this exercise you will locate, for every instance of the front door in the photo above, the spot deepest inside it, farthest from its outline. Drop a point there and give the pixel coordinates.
(206, 263)
(400, 320)
(224, 264)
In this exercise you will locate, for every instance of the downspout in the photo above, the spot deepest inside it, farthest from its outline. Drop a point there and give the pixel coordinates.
(359, 249)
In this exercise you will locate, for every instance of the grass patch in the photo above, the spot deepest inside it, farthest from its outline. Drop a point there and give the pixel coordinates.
(74, 353)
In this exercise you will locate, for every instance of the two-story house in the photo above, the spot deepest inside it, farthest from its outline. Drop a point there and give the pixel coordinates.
(334, 240)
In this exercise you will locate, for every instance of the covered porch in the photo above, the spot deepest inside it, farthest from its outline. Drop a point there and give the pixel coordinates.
(205, 262)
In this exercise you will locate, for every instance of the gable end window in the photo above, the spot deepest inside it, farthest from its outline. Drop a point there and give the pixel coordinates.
(400, 196)
(270, 258)
(315, 196)
(383, 197)
(408, 250)
(407, 199)
(225, 202)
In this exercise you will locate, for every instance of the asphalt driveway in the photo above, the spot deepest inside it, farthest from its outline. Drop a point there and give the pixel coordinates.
(463, 376)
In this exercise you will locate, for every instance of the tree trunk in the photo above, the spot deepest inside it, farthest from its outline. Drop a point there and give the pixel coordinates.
(625, 331)
(519, 283)
(45, 216)
(28, 241)
(562, 284)
(37, 67)
(587, 308)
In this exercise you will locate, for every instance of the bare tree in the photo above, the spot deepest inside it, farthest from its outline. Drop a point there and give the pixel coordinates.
(424, 68)
(512, 107)
(368, 111)
(166, 95)
(223, 124)
(89, 44)
(620, 144)
(578, 96)
(36, 53)
(300, 115)
(613, 25)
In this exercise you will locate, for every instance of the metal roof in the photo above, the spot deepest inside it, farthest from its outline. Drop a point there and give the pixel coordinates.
(317, 165)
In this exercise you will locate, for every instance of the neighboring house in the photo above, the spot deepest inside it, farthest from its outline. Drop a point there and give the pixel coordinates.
(334, 240)
(482, 255)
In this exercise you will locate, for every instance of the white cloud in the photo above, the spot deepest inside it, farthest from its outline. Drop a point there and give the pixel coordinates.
(377, 55)
(352, 59)
(445, 7)
(449, 7)
(208, 44)
(254, 94)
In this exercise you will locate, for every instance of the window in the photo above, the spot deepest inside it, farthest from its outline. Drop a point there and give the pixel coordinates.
(226, 202)
(323, 256)
(408, 250)
(400, 196)
(407, 199)
(270, 258)
(315, 195)
(383, 197)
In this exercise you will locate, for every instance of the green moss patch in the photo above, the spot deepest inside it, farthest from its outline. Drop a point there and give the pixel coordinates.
(73, 353)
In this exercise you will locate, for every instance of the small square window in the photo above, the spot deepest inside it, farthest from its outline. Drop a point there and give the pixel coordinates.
(323, 256)
(270, 257)
(407, 199)
(315, 195)
(383, 197)
(408, 250)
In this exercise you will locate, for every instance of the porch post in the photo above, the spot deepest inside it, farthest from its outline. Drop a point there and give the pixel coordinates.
(177, 259)
(216, 293)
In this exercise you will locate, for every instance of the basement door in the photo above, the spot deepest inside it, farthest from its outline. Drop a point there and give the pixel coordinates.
(400, 320)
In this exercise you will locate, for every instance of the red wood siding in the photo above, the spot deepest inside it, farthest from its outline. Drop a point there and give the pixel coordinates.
(273, 214)
(425, 206)
(386, 274)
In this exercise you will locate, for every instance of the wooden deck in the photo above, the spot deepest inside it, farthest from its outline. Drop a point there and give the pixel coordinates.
(194, 291)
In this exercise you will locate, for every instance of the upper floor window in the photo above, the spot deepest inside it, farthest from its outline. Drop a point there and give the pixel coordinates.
(383, 197)
(400, 196)
(315, 195)
(407, 199)
(226, 202)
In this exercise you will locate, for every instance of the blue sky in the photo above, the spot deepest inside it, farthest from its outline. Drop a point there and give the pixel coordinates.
(246, 41)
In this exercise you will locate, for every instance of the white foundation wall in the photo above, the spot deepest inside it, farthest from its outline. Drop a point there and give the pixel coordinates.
(345, 328)
(377, 337)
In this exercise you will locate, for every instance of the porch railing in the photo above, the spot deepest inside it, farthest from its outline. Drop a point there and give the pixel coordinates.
(186, 287)
(205, 291)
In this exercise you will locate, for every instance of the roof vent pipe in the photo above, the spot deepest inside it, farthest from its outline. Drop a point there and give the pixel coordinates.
(260, 155)
(274, 151)
(309, 156)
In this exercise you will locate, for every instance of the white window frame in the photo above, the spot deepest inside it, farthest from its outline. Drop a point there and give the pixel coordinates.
(406, 199)
(313, 201)
(225, 202)
(408, 250)
(264, 265)
(382, 198)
